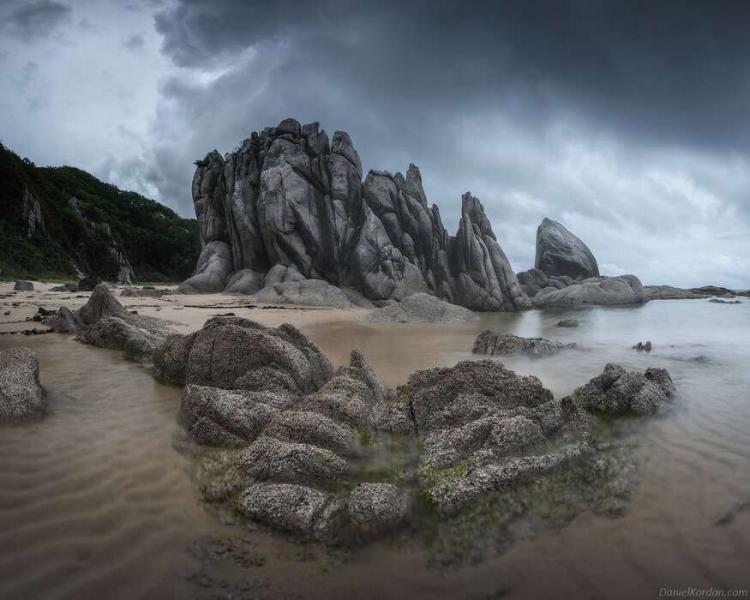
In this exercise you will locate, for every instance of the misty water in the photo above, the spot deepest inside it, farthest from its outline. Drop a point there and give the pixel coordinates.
(97, 500)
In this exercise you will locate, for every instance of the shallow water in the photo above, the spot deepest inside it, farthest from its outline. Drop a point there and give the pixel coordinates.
(96, 500)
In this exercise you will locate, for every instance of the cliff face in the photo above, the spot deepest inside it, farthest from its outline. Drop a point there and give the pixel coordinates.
(289, 196)
(62, 221)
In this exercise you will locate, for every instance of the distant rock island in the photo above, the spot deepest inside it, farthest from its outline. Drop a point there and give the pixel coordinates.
(289, 209)
(61, 222)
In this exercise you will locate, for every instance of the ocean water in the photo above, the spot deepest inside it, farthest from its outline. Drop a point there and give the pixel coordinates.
(98, 501)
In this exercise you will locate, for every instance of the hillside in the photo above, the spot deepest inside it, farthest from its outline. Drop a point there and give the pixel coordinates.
(61, 221)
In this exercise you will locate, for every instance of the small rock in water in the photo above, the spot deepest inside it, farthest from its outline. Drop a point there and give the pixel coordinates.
(643, 346)
(568, 323)
(720, 301)
(504, 344)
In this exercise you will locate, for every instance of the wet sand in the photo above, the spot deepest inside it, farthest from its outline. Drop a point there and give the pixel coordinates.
(97, 500)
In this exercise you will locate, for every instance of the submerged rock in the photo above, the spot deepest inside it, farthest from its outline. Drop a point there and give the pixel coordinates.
(21, 395)
(720, 301)
(559, 252)
(420, 308)
(568, 323)
(618, 392)
(504, 344)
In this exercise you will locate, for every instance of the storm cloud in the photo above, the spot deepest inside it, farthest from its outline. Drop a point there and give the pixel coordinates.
(627, 121)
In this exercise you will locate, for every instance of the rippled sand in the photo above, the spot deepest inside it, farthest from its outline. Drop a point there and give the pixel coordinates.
(96, 501)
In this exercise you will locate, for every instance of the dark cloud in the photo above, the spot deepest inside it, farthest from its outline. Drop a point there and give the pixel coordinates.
(645, 68)
(38, 18)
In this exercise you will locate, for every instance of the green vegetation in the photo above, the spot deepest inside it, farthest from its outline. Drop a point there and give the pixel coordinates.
(80, 233)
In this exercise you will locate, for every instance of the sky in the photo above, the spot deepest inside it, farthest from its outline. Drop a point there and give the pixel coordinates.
(627, 121)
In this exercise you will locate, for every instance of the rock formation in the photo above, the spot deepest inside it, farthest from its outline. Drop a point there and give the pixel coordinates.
(21, 396)
(300, 447)
(505, 344)
(289, 198)
(559, 252)
(105, 323)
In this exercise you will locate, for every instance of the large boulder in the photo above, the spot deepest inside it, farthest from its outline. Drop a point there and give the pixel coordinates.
(559, 252)
(420, 308)
(290, 198)
(625, 289)
(21, 395)
(218, 356)
(504, 344)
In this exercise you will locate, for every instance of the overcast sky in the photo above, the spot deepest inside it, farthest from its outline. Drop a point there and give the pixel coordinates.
(629, 122)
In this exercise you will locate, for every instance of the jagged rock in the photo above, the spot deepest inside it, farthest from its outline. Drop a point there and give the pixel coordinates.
(559, 252)
(290, 200)
(308, 292)
(420, 308)
(624, 289)
(102, 303)
(568, 323)
(376, 508)
(244, 281)
(212, 272)
(23, 286)
(643, 346)
(617, 391)
(504, 344)
(21, 395)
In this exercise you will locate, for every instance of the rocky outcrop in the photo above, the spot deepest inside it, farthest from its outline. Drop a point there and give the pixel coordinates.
(420, 308)
(21, 395)
(217, 356)
(618, 392)
(568, 323)
(105, 323)
(290, 198)
(505, 344)
(304, 455)
(559, 252)
(625, 289)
